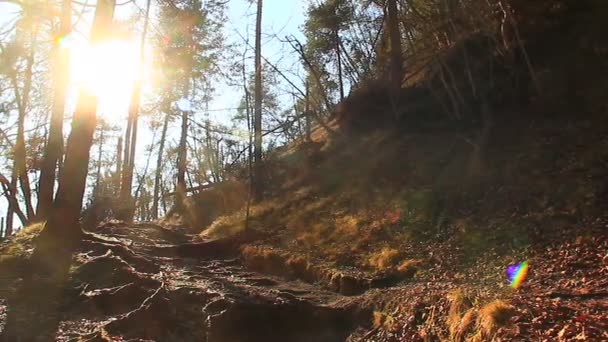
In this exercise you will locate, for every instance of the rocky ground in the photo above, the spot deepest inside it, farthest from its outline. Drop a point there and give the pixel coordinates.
(146, 282)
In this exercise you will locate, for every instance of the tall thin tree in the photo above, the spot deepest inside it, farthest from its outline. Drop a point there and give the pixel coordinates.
(257, 119)
(127, 174)
(22, 99)
(54, 146)
(159, 164)
(396, 59)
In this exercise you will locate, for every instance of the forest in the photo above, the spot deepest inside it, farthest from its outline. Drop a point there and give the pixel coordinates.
(309, 170)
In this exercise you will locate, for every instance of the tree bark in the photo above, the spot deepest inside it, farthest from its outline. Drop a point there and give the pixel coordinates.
(54, 147)
(258, 188)
(181, 162)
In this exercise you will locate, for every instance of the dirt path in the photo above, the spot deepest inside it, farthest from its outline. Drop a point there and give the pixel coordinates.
(145, 282)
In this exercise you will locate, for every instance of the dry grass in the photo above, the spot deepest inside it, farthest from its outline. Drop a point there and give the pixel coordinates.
(494, 316)
(384, 259)
(383, 320)
(21, 242)
(225, 226)
(17, 249)
(465, 327)
(408, 266)
(460, 304)
(265, 260)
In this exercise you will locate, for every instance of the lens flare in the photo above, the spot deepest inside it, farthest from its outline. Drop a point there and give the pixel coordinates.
(65, 41)
(517, 273)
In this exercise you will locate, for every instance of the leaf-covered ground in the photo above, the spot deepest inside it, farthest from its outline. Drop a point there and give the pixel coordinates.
(147, 282)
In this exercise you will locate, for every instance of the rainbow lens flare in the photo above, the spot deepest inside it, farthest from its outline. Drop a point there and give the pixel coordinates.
(65, 41)
(516, 273)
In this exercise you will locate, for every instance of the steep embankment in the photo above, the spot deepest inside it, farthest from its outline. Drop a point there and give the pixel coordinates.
(423, 230)
(419, 206)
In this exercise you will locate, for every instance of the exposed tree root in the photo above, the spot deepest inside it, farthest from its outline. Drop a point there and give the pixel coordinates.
(140, 263)
(107, 271)
(214, 249)
(115, 300)
(144, 233)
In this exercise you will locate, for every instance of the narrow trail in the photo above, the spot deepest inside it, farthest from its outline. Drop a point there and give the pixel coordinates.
(145, 282)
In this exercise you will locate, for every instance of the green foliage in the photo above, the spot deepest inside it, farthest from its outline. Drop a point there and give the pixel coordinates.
(191, 46)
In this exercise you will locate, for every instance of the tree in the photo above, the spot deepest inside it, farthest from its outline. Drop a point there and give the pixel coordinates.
(396, 59)
(22, 98)
(258, 187)
(159, 164)
(131, 138)
(62, 230)
(323, 29)
(190, 43)
(54, 145)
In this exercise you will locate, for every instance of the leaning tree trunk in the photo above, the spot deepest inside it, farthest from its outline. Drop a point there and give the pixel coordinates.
(54, 145)
(10, 192)
(258, 188)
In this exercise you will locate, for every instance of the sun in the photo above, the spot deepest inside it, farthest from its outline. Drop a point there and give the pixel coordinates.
(108, 69)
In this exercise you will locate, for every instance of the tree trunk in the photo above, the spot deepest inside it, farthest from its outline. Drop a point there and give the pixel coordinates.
(118, 164)
(181, 163)
(22, 99)
(99, 157)
(29, 318)
(159, 164)
(396, 60)
(307, 116)
(257, 120)
(340, 77)
(54, 145)
(126, 155)
(62, 230)
(10, 192)
(128, 210)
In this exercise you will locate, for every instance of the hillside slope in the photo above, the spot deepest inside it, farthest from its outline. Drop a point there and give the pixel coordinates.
(423, 211)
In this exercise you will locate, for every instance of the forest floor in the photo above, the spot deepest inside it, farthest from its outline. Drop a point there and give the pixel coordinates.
(147, 282)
